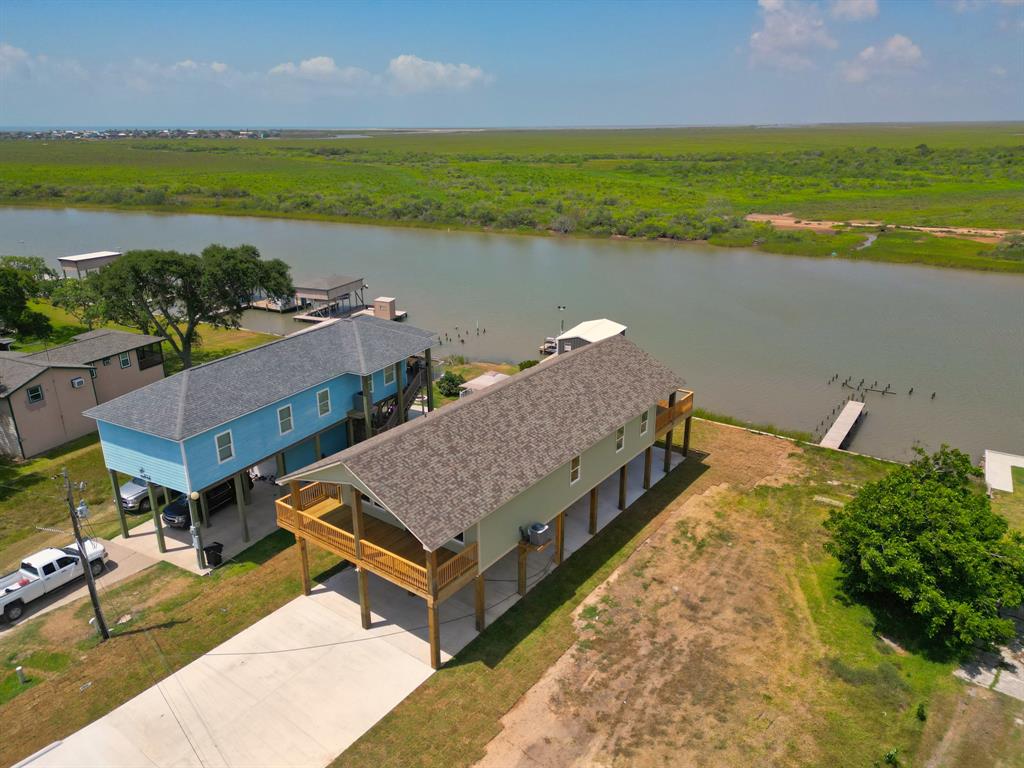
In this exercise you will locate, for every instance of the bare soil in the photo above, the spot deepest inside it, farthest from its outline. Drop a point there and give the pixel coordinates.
(788, 221)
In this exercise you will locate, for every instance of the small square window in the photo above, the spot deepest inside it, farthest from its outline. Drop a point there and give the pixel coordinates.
(284, 419)
(77, 383)
(125, 359)
(389, 376)
(35, 394)
(644, 419)
(620, 439)
(225, 446)
(323, 402)
(92, 373)
(574, 470)
(106, 361)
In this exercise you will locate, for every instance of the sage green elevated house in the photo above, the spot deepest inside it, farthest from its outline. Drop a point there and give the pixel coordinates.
(432, 504)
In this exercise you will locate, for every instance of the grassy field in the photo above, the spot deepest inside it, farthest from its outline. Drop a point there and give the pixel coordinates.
(30, 493)
(658, 183)
(1011, 505)
(470, 370)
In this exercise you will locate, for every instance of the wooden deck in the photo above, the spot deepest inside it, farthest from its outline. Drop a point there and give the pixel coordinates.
(843, 424)
(668, 416)
(397, 541)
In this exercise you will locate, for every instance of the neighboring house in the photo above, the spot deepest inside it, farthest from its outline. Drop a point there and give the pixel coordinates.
(121, 361)
(432, 504)
(41, 404)
(46, 392)
(286, 403)
(78, 266)
(587, 332)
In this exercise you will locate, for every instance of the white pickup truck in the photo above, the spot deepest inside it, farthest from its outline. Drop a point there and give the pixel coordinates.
(45, 571)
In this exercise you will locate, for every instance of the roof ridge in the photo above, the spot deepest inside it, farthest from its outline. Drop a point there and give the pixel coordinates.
(359, 350)
(182, 399)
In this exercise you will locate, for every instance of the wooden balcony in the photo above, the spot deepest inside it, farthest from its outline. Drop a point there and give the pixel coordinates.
(669, 416)
(386, 550)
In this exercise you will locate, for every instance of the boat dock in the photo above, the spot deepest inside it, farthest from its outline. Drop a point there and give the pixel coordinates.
(843, 425)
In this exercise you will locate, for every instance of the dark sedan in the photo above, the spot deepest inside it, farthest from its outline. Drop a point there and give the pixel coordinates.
(176, 513)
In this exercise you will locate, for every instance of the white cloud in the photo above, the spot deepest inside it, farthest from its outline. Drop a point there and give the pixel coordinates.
(219, 67)
(11, 58)
(411, 73)
(791, 30)
(998, 71)
(321, 69)
(899, 52)
(854, 10)
(18, 63)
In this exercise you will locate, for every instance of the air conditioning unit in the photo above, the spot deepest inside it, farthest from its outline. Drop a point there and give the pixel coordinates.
(77, 383)
(539, 534)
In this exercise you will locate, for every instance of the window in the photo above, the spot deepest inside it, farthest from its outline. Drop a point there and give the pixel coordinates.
(149, 355)
(323, 402)
(574, 470)
(225, 448)
(29, 568)
(284, 419)
(106, 361)
(35, 394)
(126, 359)
(64, 562)
(644, 418)
(389, 375)
(48, 569)
(92, 373)
(77, 383)
(620, 439)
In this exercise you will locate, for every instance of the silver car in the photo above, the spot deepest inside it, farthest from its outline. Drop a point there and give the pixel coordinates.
(135, 495)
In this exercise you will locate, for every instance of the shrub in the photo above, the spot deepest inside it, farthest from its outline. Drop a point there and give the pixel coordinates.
(524, 364)
(448, 385)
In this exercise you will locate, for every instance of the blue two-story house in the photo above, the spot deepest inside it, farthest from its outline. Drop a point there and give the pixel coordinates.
(291, 401)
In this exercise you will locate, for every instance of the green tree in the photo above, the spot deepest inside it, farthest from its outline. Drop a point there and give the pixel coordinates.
(171, 293)
(448, 384)
(925, 542)
(39, 277)
(15, 288)
(80, 299)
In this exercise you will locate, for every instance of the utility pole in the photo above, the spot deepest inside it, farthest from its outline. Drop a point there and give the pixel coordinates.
(86, 565)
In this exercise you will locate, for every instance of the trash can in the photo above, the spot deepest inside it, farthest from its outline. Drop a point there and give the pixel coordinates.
(214, 554)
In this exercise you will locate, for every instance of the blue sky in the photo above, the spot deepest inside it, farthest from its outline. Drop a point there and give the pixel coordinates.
(509, 64)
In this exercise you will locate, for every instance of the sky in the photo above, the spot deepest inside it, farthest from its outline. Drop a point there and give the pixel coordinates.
(497, 64)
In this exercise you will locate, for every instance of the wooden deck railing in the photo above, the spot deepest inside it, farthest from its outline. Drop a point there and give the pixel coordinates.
(314, 493)
(451, 569)
(337, 540)
(393, 567)
(669, 415)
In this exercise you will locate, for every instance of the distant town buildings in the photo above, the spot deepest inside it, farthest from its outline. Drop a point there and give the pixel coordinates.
(70, 134)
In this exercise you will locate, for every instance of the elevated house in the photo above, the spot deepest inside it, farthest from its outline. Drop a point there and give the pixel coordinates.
(286, 403)
(43, 395)
(82, 264)
(434, 503)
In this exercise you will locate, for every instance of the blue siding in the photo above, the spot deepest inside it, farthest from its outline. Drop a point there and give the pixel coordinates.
(334, 440)
(256, 436)
(138, 453)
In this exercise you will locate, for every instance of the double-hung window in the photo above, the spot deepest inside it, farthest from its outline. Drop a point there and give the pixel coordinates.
(125, 359)
(389, 375)
(574, 470)
(620, 439)
(644, 419)
(35, 394)
(323, 402)
(284, 419)
(225, 446)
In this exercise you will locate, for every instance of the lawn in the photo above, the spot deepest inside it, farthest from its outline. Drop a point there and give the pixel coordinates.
(1011, 505)
(469, 370)
(686, 184)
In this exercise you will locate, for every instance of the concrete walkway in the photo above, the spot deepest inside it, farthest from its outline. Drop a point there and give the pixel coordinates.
(299, 686)
(999, 469)
(123, 562)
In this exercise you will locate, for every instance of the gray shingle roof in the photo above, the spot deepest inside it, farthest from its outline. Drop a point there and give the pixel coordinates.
(442, 473)
(208, 395)
(95, 345)
(17, 369)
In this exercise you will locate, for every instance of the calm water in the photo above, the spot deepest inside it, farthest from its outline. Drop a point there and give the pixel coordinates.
(756, 335)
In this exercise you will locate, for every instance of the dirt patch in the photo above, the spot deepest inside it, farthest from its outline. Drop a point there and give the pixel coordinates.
(683, 657)
(788, 221)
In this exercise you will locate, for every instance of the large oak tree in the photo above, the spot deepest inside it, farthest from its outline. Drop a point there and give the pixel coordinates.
(171, 293)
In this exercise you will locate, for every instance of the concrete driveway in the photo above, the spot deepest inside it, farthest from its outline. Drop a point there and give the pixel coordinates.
(123, 562)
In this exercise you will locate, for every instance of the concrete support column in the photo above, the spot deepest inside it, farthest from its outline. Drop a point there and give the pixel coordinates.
(593, 511)
(367, 406)
(303, 549)
(400, 391)
(117, 502)
(478, 588)
(686, 437)
(648, 459)
(559, 538)
(430, 380)
(622, 486)
(193, 514)
(157, 522)
(240, 500)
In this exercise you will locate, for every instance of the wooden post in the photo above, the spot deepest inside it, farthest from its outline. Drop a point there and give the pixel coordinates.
(434, 635)
(166, 493)
(350, 434)
(686, 437)
(157, 522)
(362, 576)
(193, 515)
(622, 486)
(363, 580)
(559, 538)
(316, 446)
(399, 391)
(117, 501)
(648, 458)
(367, 406)
(240, 501)
(593, 511)
(204, 508)
(303, 547)
(481, 620)
(296, 498)
(668, 438)
(279, 459)
(430, 380)
(523, 554)
(357, 520)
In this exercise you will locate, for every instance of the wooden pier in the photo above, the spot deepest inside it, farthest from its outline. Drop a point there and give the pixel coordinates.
(844, 423)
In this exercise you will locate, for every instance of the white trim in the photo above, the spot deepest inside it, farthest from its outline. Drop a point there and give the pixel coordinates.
(620, 439)
(291, 419)
(122, 357)
(231, 444)
(579, 469)
(322, 413)
(645, 419)
(42, 394)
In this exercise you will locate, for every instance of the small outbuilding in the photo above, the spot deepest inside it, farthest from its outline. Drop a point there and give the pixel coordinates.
(588, 332)
(80, 265)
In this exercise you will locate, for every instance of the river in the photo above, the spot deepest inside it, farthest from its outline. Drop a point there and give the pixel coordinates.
(756, 335)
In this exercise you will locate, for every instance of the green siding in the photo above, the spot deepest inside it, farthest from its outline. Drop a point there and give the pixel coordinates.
(499, 531)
